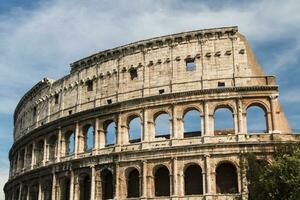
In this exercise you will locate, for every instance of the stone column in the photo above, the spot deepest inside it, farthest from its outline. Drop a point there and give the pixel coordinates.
(40, 191)
(20, 192)
(102, 141)
(33, 156)
(208, 179)
(174, 182)
(117, 185)
(25, 162)
(240, 116)
(71, 185)
(96, 136)
(145, 126)
(119, 131)
(78, 97)
(206, 119)
(28, 193)
(273, 102)
(175, 134)
(53, 186)
(93, 176)
(59, 143)
(45, 159)
(76, 136)
(144, 180)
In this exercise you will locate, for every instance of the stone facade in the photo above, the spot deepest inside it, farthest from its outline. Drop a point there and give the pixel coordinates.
(203, 71)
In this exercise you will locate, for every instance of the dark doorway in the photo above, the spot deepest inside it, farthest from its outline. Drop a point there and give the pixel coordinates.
(162, 182)
(133, 184)
(65, 189)
(85, 187)
(107, 185)
(193, 180)
(226, 179)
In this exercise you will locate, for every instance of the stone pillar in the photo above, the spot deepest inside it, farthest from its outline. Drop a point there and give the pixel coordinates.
(25, 162)
(20, 192)
(144, 180)
(208, 179)
(40, 191)
(240, 117)
(53, 186)
(119, 131)
(206, 119)
(71, 185)
(93, 178)
(145, 126)
(76, 137)
(174, 182)
(45, 152)
(33, 156)
(102, 141)
(117, 185)
(28, 193)
(78, 97)
(174, 122)
(59, 144)
(96, 136)
(273, 102)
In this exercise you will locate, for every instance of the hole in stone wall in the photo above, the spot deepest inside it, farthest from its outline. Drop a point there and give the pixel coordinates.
(161, 91)
(190, 64)
(221, 84)
(162, 182)
(133, 184)
(89, 85)
(109, 101)
(133, 73)
(226, 179)
(56, 98)
(193, 180)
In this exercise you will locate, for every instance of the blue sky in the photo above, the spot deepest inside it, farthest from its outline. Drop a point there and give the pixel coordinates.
(40, 38)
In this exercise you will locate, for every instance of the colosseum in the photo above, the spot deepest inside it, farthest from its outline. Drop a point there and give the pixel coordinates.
(139, 122)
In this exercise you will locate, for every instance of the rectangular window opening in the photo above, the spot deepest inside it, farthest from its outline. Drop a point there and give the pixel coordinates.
(89, 85)
(221, 84)
(70, 112)
(190, 64)
(109, 101)
(56, 98)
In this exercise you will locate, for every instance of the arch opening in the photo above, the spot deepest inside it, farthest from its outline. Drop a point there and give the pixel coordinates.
(39, 152)
(85, 187)
(70, 143)
(133, 184)
(107, 184)
(110, 133)
(88, 138)
(193, 180)
(256, 119)
(135, 130)
(162, 126)
(52, 147)
(65, 188)
(192, 123)
(162, 182)
(223, 121)
(226, 178)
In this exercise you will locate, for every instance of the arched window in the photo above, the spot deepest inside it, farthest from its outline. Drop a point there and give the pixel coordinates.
(226, 178)
(39, 152)
(70, 143)
(256, 120)
(135, 130)
(107, 184)
(88, 138)
(110, 133)
(193, 180)
(22, 158)
(223, 121)
(133, 184)
(162, 126)
(162, 182)
(47, 190)
(52, 142)
(65, 188)
(85, 187)
(192, 123)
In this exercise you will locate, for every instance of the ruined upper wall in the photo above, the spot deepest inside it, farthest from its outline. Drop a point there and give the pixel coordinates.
(220, 57)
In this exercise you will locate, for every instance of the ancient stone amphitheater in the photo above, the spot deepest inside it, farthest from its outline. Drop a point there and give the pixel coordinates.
(139, 122)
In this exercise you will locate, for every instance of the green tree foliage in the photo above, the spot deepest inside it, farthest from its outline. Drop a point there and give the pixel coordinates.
(279, 180)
